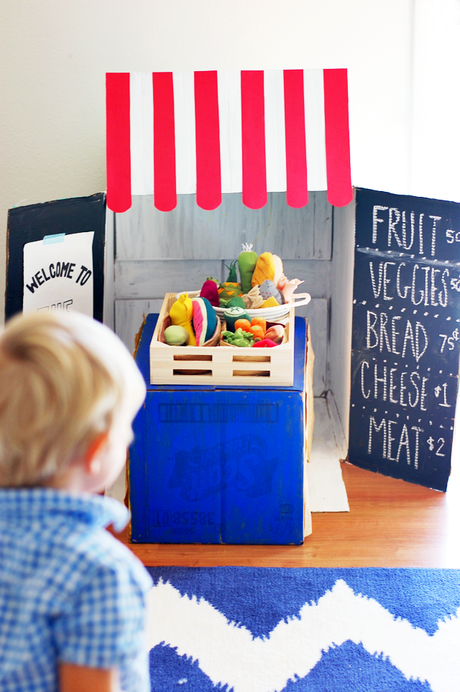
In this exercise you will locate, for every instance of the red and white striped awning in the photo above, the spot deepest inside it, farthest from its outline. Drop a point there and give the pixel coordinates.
(216, 132)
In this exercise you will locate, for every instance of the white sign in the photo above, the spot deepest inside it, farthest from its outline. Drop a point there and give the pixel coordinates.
(58, 273)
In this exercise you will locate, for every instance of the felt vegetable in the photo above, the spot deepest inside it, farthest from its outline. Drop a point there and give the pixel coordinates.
(233, 314)
(243, 324)
(204, 320)
(255, 298)
(181, 313)
(238, 338)
(175, 335)
(210, 292)
(247, 260)
(265, 343)
(236, 301)
(264, 269)
(231, 287)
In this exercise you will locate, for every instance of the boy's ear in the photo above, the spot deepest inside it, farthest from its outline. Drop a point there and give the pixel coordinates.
(91, 460)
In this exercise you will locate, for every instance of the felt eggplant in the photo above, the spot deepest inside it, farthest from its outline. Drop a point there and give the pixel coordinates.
(247, 260)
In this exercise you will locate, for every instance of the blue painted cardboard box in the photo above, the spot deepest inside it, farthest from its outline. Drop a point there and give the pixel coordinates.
(220, 464)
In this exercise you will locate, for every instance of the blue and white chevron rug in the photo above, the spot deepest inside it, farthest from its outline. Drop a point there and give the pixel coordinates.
(304, 630)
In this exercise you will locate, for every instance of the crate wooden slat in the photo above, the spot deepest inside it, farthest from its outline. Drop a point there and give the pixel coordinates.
(221, 365)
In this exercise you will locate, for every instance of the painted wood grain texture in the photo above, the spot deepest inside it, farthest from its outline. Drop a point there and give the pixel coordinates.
(191, 233)
(153, 278)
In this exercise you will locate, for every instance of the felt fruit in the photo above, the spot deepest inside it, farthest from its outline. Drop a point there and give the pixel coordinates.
(181, 313)
(256, 330)
(264, 269)
(268, 290)
(204, 320)
(210, 292)
(231, 287)
(261, 321)
(243, 324)
(175, 335)
(247, 260)
(275, 333)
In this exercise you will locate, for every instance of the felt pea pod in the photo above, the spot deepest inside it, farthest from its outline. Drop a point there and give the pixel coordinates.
(247, 260)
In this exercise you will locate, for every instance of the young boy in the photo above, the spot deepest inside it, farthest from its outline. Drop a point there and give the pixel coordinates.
(71, 595)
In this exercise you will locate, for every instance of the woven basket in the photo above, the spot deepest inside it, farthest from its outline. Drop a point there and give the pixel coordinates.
(241, 348)
(213, 341)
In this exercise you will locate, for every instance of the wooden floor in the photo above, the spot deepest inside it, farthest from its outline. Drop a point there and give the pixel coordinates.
(391, 523)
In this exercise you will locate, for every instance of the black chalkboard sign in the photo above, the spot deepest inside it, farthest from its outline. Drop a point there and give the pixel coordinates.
(56, 219)
(406, 336)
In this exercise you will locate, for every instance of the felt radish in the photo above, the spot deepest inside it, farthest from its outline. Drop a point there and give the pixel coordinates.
(247, 260)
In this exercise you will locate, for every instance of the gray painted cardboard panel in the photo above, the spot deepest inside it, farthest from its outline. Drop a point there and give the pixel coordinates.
(189, 232)
(152, 279)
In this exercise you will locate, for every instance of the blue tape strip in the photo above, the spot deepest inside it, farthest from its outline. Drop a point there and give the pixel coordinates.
(50, 239)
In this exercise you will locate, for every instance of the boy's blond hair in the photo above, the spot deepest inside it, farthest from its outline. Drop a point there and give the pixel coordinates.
(63, 379)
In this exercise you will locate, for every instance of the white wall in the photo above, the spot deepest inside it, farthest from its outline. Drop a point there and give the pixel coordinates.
(54, 55)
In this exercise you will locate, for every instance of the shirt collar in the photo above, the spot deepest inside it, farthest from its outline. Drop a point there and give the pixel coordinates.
(32, 503)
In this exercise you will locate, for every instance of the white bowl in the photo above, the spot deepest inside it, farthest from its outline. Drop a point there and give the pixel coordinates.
(278, 313)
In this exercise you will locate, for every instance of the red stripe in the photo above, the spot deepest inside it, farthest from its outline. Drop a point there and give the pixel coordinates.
(164, 144)
(253, 139)
(118, 145)
(339, 189)
(296, 151)
(208, 177)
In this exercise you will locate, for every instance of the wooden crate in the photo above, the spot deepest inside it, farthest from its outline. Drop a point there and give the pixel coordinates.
(216, 365)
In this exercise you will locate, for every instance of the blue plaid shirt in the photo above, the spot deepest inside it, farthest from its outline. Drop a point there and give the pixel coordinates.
(69, 591)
